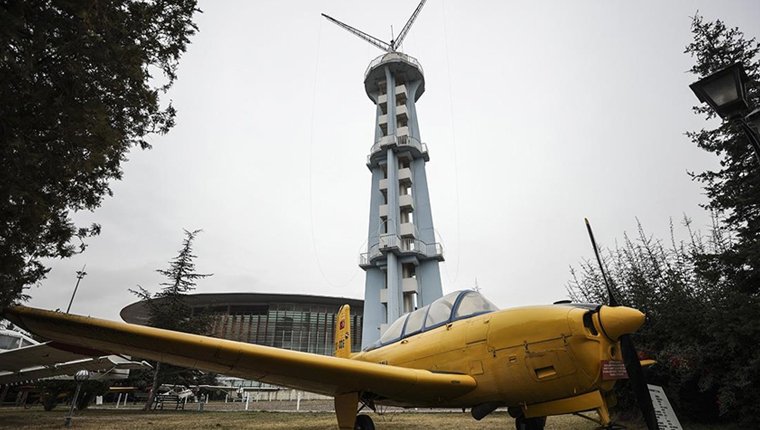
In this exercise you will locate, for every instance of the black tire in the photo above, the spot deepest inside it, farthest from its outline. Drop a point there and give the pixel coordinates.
(536, 423)
(364, 422)
(49, 403)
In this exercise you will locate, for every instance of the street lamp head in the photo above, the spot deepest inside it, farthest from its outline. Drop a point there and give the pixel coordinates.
(82, 375)
(724, 91)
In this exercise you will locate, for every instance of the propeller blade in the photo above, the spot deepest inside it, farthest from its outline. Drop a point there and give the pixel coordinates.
(613, 301)
(638, 382)
(630, 356)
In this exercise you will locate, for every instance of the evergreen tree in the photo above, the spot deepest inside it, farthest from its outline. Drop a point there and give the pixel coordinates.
(732, 361)
(702, 297)
(733, 189)
(168, 309)
(80, 85)
(662, 281)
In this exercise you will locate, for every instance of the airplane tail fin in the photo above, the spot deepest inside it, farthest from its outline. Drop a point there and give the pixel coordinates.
(343, 332)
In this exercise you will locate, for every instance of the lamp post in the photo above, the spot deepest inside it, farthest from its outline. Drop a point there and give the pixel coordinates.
(80, 377)
(80, 274)
(725, 92)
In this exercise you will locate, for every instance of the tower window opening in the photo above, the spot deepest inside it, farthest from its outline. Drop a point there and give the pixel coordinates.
(400, 91)
(384, 194)
(405, 190)
(406, 216)
(408, 244)
(401, 121)
(409, 300)
(404, 163)
(409, 270)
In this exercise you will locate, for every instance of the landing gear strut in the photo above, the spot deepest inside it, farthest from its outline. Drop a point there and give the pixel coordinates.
(364, 422)
(536, 423)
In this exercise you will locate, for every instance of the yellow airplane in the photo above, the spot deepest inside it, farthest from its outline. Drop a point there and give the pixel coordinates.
(460, 351)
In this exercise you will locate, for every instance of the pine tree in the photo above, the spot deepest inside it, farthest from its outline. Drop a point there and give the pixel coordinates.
(168, 309)
(733, 189)
(731, 363)
(702, 297)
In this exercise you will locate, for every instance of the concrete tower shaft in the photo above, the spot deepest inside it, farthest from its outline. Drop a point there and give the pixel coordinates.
(402, 257)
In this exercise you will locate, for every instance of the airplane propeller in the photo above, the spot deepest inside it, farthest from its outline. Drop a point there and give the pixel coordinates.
(630, 356)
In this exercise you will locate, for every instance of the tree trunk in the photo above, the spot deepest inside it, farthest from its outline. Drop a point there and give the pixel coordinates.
(153, 387)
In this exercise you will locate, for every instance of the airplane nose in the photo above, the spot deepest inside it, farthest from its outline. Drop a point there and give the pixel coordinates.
(619, 320)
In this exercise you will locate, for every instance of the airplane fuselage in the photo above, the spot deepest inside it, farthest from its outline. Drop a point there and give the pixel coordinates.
(517, 356)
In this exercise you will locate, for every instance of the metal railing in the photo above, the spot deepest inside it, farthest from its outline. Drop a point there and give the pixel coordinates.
(390, 57)
(404, 245)
(398, 141)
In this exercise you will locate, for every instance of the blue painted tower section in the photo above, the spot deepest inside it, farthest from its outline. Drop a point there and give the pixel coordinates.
(402, 257)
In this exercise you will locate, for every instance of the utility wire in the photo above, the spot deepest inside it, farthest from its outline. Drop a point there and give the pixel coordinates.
(453, 145)
(311, 162)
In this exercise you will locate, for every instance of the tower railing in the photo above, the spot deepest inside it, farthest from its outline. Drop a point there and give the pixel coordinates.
(402, 246)
(418, 148)
(393, 56)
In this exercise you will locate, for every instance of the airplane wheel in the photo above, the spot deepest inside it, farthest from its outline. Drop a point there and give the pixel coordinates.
(364, 422)
(536, 423)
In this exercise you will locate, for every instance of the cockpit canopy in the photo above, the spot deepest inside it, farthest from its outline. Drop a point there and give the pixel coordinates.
(451, 307)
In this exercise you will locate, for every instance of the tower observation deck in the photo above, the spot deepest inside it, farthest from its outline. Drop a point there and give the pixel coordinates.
(402, 256)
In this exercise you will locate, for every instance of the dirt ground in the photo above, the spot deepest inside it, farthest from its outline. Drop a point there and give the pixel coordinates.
(313, 415)
(190, 419)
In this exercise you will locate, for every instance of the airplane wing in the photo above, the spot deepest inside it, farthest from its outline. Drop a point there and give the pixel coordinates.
(300, 370)
(32, 372)
(43, 354)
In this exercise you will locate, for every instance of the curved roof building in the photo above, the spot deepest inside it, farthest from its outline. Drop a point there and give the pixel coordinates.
(291, 321)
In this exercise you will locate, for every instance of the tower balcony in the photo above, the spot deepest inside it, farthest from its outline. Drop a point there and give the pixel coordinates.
(407, 229)
(404, 67)
(405, 175)
(389, 242)
(401, 112)
(411, 246)
(410, 285)
(401, 246)
(398, 143)
(400, 96)
(405, 201)
(367, 259)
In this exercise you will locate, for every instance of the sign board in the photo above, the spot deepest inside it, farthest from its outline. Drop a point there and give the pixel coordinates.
(613, 369)
(666, 418)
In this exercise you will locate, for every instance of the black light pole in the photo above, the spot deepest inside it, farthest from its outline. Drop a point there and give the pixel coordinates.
(725, 92)
(80, 377)
(80, 274)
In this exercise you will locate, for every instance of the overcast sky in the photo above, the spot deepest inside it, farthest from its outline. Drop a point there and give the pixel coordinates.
(536, 114)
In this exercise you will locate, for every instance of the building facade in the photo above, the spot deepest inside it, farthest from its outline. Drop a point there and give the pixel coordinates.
(296, 322)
